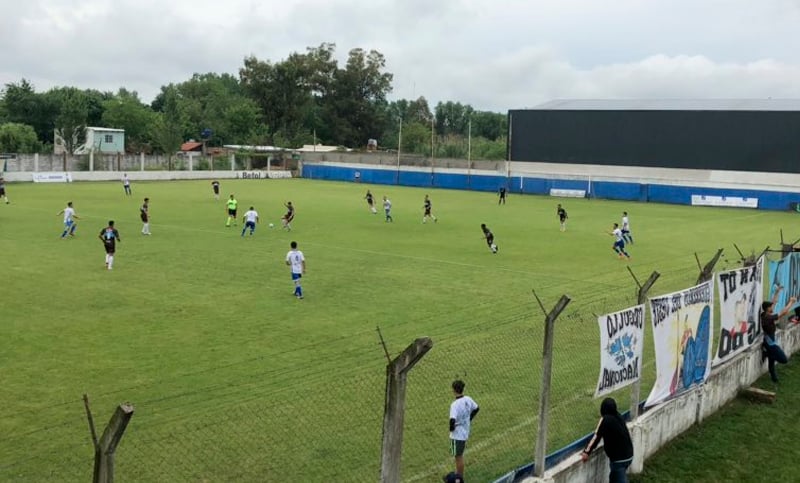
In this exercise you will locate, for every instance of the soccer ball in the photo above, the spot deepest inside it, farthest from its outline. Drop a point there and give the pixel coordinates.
(272, 225)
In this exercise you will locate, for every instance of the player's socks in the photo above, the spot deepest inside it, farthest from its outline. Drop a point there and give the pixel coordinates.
(110, 261)
(228, 223)
(64, 234)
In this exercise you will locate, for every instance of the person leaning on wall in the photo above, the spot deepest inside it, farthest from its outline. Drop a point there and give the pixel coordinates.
(616, 441)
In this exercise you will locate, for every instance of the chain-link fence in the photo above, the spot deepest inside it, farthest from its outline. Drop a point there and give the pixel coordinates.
(277, 420)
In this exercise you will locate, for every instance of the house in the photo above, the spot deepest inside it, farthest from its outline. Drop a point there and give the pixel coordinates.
(104, 140)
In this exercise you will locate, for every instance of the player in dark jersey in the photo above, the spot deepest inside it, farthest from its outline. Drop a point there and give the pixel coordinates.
(3, 190)
(215, 187)
(502, 195)
(110, 236)
(144, 213)
(371, 202)
(489, 236)
(427, 207)
(286, 220)
(562, 217)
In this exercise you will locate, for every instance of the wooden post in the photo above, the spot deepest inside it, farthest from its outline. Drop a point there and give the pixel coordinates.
(641, 298)
(547, 369)
(394, 407)
(708, 271)
(106, 447)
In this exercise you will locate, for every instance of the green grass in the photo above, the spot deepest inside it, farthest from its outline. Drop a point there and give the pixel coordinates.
(234, 379)
(745, 441)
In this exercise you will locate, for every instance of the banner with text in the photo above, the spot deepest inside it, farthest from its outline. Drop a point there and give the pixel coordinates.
(682, 328)
(786, 273)
(740, 294)
(621, 345)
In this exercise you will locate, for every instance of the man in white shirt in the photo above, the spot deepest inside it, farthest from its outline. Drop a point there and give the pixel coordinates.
(126, 183)
(387, 208)
(619, 242)
(250, 220)
(462, 411)
(297, 261)
(69, 223)
(626, 228)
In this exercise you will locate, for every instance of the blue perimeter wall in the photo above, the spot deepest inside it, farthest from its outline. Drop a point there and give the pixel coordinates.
(612, 190)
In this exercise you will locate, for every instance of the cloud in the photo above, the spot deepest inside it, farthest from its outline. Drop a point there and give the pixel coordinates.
(494, 55)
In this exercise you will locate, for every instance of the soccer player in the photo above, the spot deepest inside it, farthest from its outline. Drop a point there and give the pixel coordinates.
(462, 411)
(286, 219)
(250, 220)
(144, 213)
(562, 217)
(3, 189)
(619, 242)
(371, 203)
(215, 187)
(69, 220)
(297, 261)
(110, 236)
(232, 204)
(126, 183)
(387, 208)
(489, 236)
(626, 228)
(427, 207)
(502, 195)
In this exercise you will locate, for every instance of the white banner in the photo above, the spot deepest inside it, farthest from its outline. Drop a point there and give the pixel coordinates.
(52, 177)
(730, 201)
(568, 193)
(621, 345)
(682, 328)
(740, 294)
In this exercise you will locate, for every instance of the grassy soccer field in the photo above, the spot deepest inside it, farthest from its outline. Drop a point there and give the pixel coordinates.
(232, 378)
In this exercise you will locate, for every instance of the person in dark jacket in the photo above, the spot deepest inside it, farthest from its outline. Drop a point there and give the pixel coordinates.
(769, 346)
(616, 441)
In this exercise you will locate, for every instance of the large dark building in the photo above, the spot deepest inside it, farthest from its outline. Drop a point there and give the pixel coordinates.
(742, 135)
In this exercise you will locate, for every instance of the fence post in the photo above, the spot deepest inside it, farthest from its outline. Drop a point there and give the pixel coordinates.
(107, 445)
(141, 161)
(36, 162)
(394, 407)
(641, 298)
(707, 271)
(547, 368)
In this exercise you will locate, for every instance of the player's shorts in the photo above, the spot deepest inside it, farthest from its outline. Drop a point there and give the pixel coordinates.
(626, 232)
(457, 447)
(562, 218)
(619, 244)
(427, 212)
(216, 190)
(2, 191)
(68, 224)
(250, 224)
(288, 217)
(490, 240)
(144, 218)
(297, 276)
(110, 248)
(232, 213)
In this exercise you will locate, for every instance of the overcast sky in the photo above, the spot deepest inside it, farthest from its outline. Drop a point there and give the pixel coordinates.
(493, 54)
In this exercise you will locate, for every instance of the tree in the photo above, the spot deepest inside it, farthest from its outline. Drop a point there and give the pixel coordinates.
(167, 130)
(452, 118)
(18, 138)
(355, 110)
(126, 111)
(73, 112)
(491, 125)
(24, 106)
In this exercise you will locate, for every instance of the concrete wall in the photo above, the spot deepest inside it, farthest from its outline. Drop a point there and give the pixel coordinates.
(663, 423)
(673, 186)
(156, 175)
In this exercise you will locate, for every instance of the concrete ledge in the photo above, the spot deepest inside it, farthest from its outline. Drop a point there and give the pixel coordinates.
(27, 176)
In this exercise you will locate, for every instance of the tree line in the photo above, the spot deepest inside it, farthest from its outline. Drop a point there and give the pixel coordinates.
(306, 98)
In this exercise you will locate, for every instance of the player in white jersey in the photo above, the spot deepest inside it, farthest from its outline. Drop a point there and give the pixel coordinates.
(626, 228)
(250, 219)
(462, 410)
(69, 220)
(297, 261)
(387, 208)
(619, 242)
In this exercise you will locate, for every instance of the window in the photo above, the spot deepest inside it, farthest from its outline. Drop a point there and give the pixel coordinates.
(109, 139)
